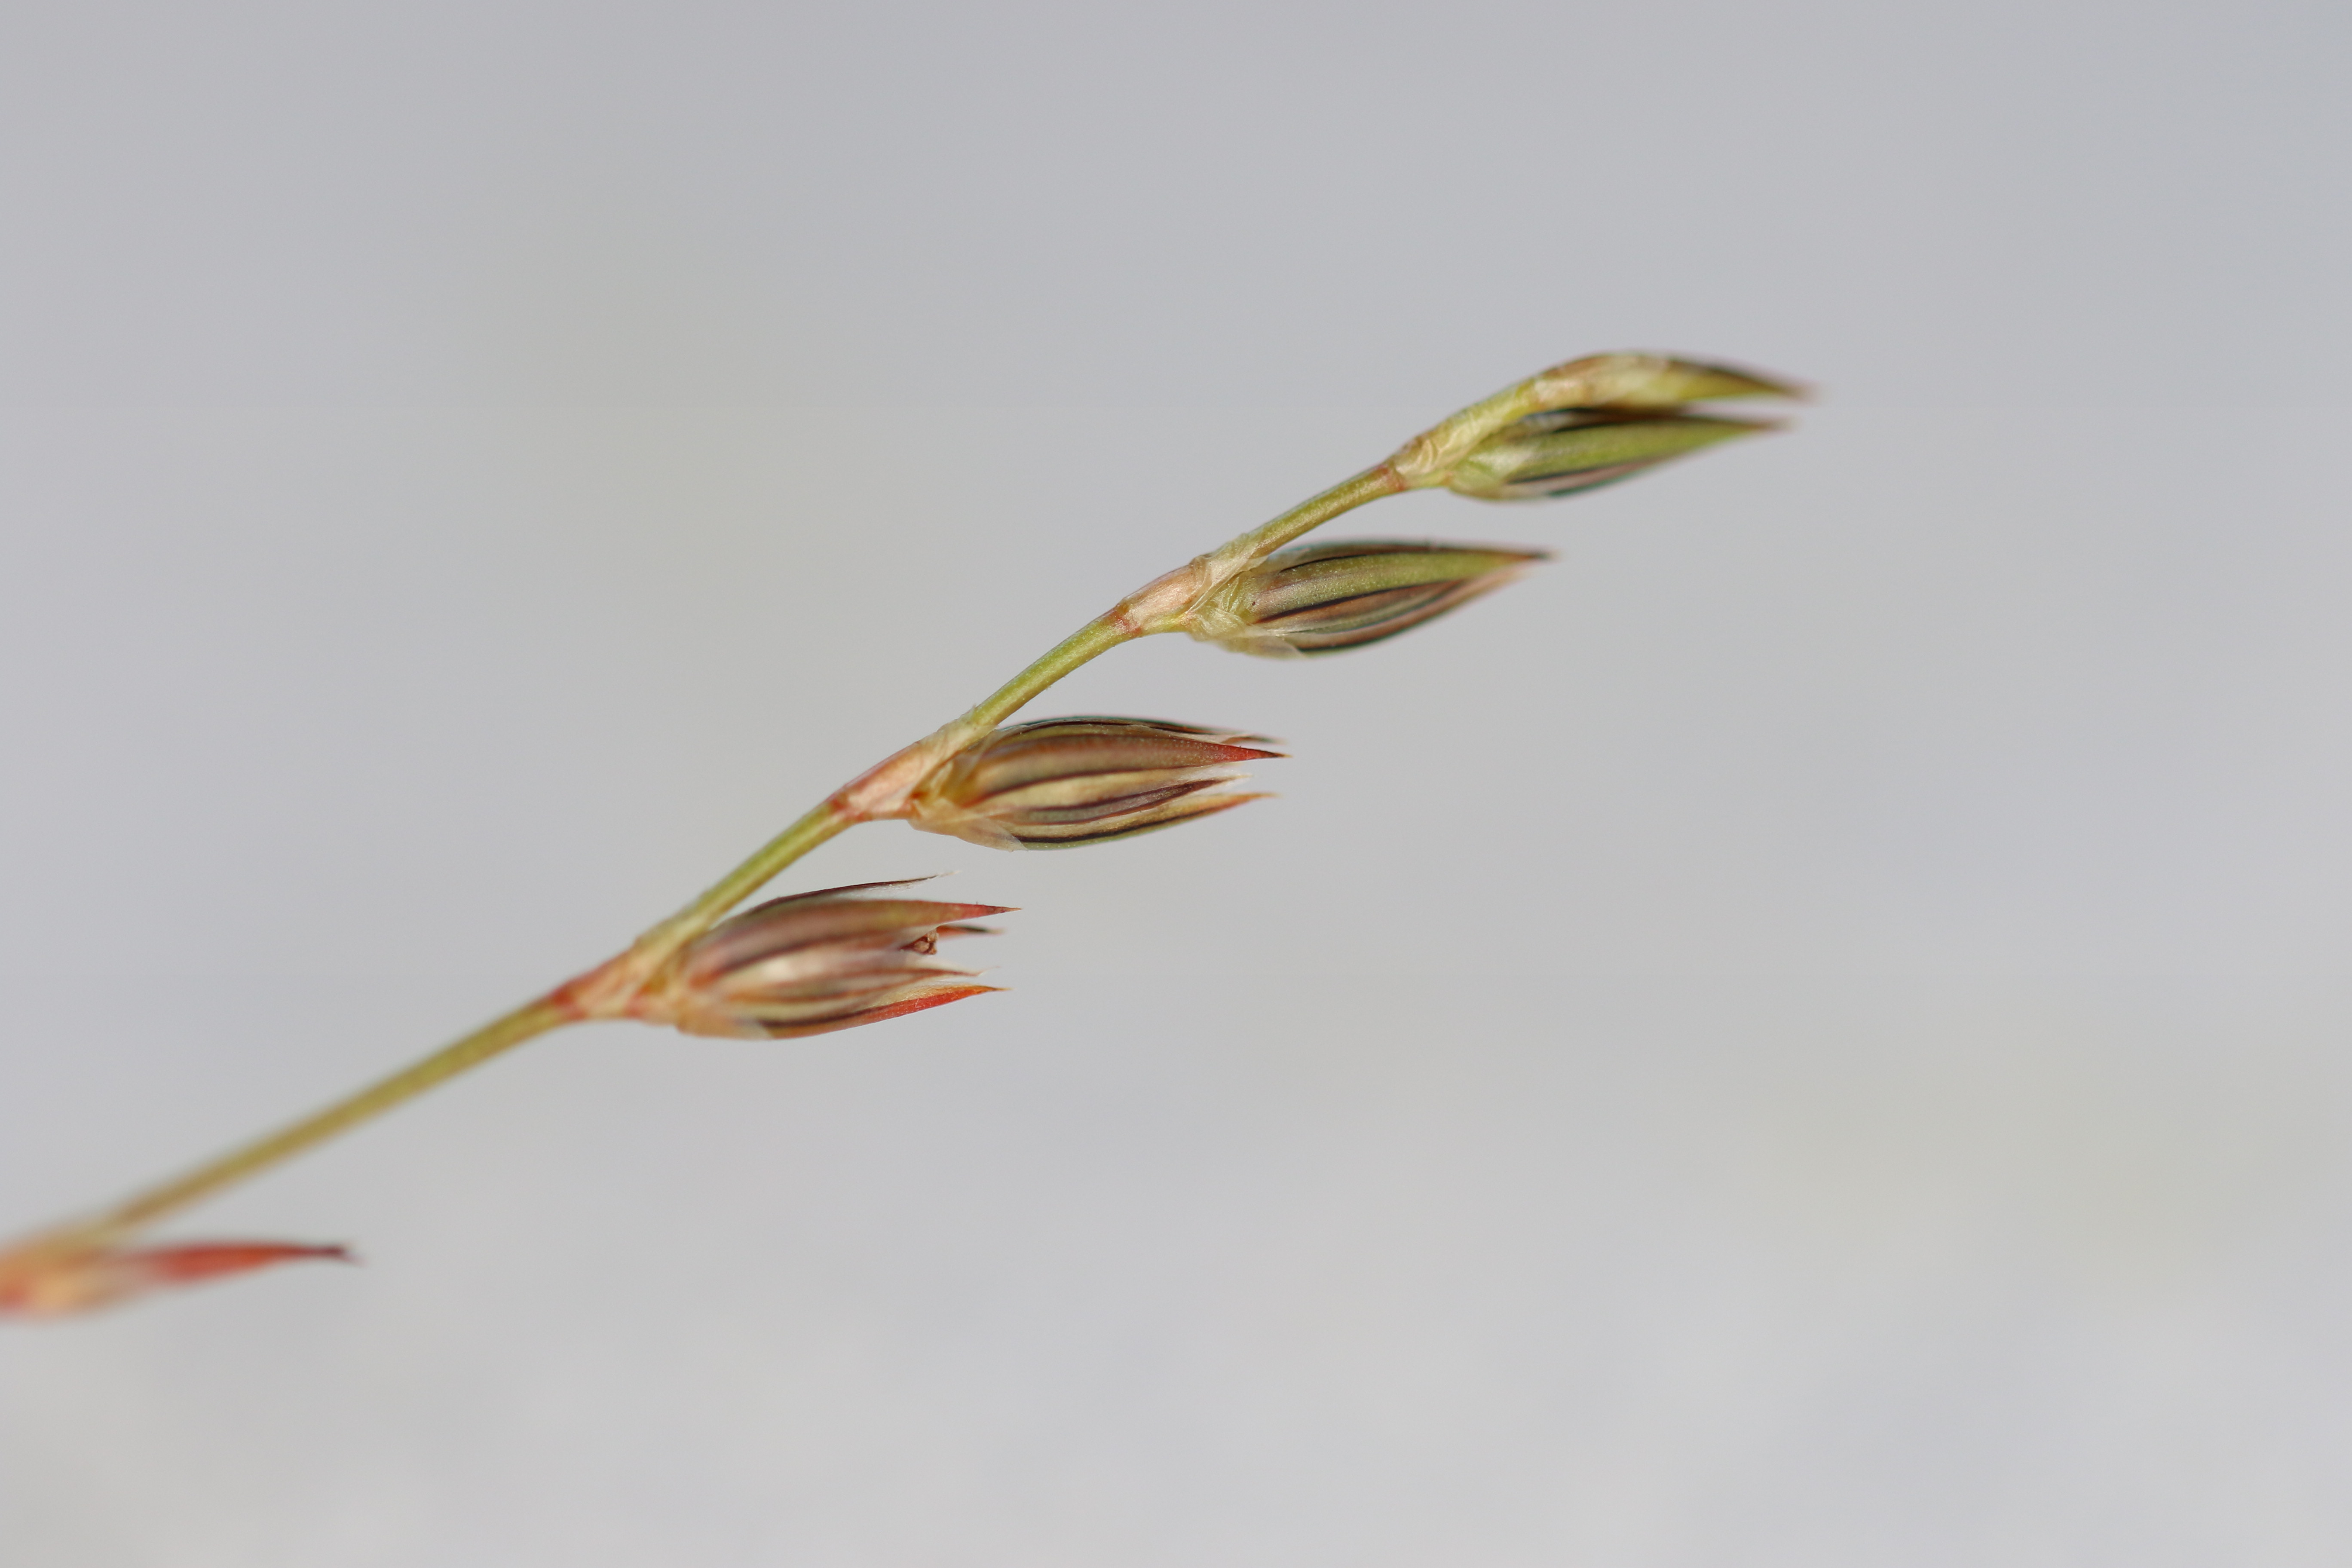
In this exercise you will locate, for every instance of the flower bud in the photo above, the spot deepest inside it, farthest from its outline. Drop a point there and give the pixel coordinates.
(813, 964)
(1575, 449)
(1056, 783)
(43, 1280)
(1320, 598)
(1641, 381)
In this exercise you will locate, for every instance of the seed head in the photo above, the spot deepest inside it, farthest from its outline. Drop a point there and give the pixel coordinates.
(814, 963)
(1320, 598)
(43, 1280)
(1056, 783)
(1572, 449)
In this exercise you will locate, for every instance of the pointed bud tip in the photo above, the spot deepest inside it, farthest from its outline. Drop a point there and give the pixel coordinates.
(1637, 380)
(938, 996)
(38, 1283)
(1227, 802)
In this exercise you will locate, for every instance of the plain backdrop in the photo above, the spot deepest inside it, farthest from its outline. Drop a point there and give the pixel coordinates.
(1816, 1030)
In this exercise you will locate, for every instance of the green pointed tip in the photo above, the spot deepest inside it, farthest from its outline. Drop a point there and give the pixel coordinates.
(1688, 381)
(1644, 381)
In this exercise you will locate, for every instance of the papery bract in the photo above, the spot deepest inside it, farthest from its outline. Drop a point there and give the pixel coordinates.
(814, 963)
(1648, 381)
(1054, 784)
(1558, 453)
(1320, 598)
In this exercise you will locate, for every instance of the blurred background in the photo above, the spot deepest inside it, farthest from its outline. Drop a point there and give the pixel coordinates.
(1815, 1030)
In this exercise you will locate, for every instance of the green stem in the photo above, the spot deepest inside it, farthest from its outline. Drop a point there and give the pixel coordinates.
(1248, 549)
(491, 1039)
(1097, 638)
(814, 828)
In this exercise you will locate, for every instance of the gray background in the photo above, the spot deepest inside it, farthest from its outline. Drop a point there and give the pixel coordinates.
(1814, 1031)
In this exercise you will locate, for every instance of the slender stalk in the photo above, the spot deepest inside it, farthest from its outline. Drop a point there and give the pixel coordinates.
(814, 828)
(1246, 550)
(1090, 641)
(494, 1038)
